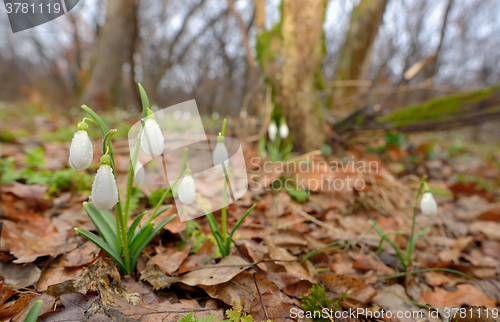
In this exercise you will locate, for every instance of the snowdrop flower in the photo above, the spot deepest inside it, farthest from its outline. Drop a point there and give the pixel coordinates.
(272, 130)
(80, 151)
(187, 188)
(104, 189)
(428, 205)
(152, 138)
(284, 131)
(220, 154)
(139, 173)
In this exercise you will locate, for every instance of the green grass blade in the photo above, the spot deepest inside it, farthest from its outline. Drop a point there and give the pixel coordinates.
(155, 232)
(140, 238)
(109, 219)
(162, 211)
(390, 242)
(238, 223)
(216, 232)
(103, 246)
(102, 225)
(412, 243)
(135, 223)
(34, 312)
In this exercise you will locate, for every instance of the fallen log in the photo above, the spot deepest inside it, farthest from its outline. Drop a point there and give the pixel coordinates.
(441, 113)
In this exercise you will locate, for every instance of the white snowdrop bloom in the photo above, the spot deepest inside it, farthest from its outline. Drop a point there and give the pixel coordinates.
(139, 173)
(272, 130)
(220, 155)
(284, 131)
(104, 189)
(428, 205)
(80, 151)
(177, 115)
(186, 116)
(152, 138)
(187, 189)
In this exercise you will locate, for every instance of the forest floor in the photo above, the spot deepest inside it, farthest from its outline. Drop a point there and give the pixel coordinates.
(290, 242)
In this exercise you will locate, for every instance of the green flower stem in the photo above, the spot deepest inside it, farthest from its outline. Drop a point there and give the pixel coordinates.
(409, 251)
(131, 174)
(107, 147)
(223, 131)
(162, 199)
(224, 211)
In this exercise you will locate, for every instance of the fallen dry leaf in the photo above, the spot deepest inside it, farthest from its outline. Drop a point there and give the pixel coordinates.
(20, 276)
(489, 228)
(465, 294)
(76, 305)
(48, 302)
(56, 275)
(390, 298)
(356, 288)
(270, 307)
(242, 286)
(221, 272)
(27, 241)
(368, 262)
(170, 261)
(283, 257)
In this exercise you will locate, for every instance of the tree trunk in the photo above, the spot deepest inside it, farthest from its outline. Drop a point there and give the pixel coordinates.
(290, 55)
(357, 50)
(303, 53)
(114, 48)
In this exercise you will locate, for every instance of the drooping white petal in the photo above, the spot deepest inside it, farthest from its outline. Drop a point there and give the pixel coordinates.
(104, 189)
(187, 190)
(152, 138)
(428, 205)
(80, 151)
(272, 130)
(220, 156)
(284, 131)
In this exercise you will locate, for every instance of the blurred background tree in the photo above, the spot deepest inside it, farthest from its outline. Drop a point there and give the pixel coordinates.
(325, 63)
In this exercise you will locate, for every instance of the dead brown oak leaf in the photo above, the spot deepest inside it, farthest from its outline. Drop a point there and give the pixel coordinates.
(20, 276)
(284, 258)
(269, 306)
(356, 288)
(76, 305)
(221, 272)
(465, 294)
(208, 275)
(27, 241)
(48, 302)
(241, 287)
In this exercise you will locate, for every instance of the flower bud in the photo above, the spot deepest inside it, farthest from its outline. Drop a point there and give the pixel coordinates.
(80, 151)
(220, 155)
(187, 188)
(272, 130)
(152, 140)
(104, 189)
(284, 131)
(428, 205)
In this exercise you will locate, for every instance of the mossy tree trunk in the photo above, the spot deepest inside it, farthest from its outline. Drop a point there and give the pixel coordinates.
(291, 55)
